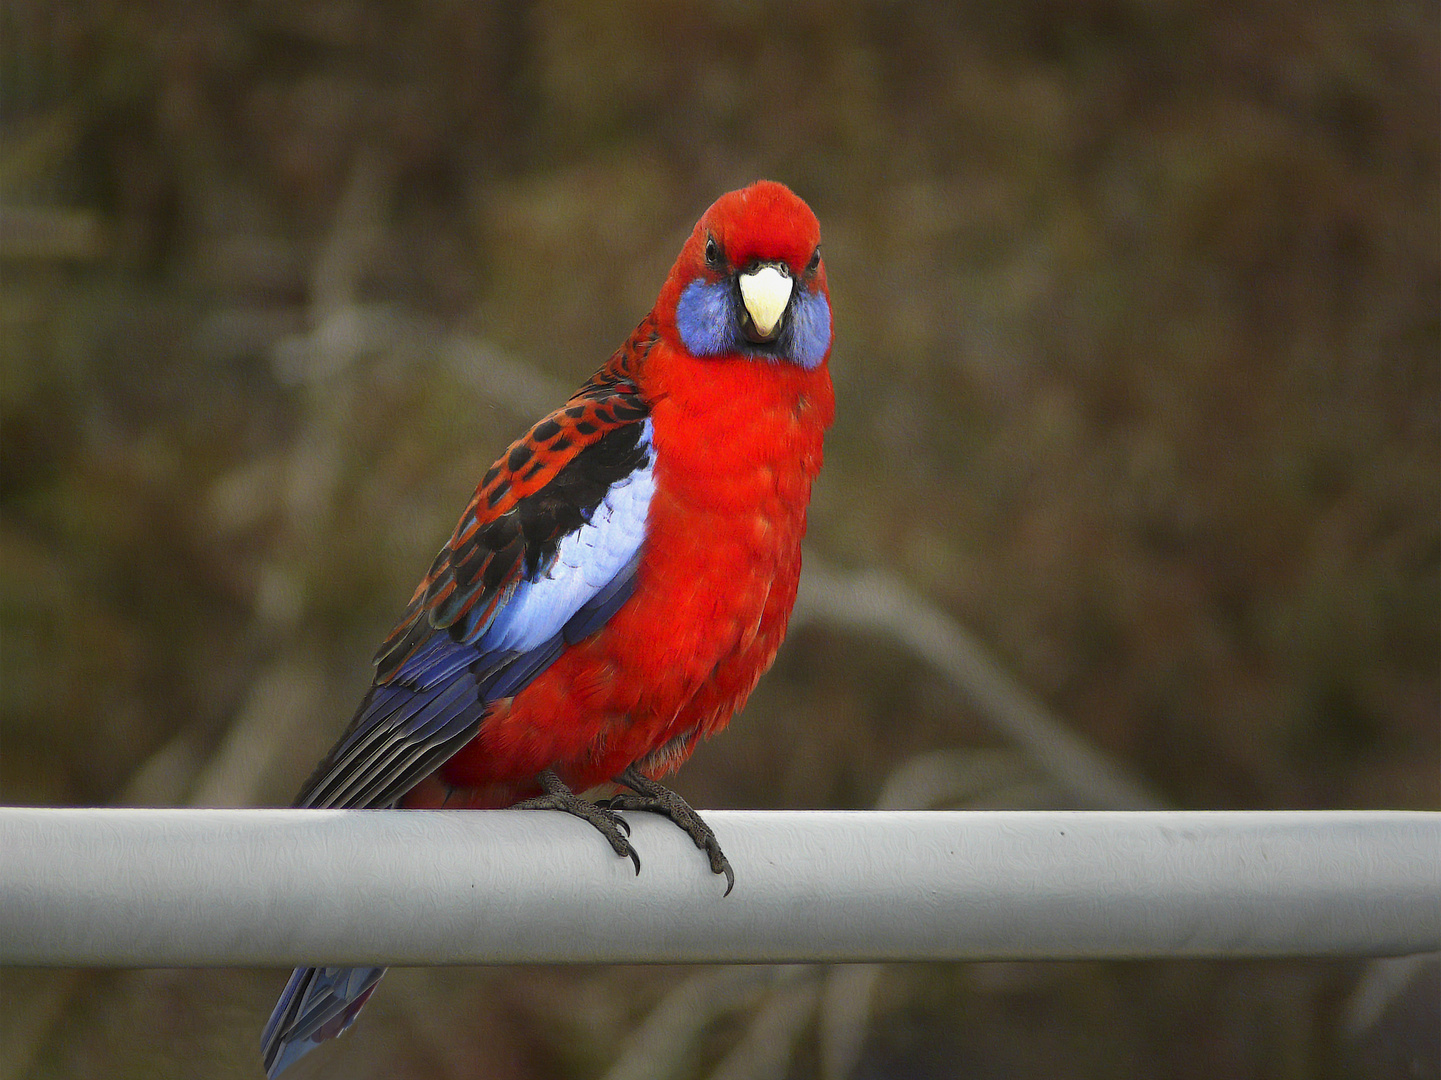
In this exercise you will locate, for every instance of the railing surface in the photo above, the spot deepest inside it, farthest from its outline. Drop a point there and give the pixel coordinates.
(161, 888)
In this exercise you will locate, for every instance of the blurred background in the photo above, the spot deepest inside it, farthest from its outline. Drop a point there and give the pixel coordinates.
(1137, 366)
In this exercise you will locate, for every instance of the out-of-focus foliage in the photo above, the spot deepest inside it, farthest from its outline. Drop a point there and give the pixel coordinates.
(1137, 360)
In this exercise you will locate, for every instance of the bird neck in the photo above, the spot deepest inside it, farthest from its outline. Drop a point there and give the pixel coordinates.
(718, 420)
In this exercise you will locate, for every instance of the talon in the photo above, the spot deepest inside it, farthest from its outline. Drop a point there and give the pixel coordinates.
(605, 821)
(657, 799)
(724, 868)
(625, 850)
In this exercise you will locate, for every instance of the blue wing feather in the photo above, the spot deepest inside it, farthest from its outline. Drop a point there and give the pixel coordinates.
(502, 600)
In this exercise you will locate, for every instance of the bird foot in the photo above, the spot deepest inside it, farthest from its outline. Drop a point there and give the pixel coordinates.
(657, 799)
(608, 823)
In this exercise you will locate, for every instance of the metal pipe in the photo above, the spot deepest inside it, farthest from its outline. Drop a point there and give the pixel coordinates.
(164, 888)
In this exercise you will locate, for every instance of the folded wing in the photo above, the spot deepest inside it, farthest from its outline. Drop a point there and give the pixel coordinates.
(544, 554)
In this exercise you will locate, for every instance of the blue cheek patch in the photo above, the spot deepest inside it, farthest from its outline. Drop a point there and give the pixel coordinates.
(810, 334)
(705, 318)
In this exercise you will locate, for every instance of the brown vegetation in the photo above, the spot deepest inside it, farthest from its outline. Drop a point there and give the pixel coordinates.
(1137, 361)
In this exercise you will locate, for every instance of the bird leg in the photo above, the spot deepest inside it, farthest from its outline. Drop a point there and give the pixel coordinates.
(608, 823)
(658, 799)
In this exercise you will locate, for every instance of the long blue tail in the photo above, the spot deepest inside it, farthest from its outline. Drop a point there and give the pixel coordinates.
(316, 1004)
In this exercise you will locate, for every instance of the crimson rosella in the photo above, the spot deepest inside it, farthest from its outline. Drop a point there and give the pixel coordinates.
(620, 580)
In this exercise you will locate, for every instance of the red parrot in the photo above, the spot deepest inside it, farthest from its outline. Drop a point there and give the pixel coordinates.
(620, 580)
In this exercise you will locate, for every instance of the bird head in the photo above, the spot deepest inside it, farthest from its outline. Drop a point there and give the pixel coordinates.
(750, 281)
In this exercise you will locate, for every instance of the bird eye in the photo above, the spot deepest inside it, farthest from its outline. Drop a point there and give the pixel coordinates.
(815, 261)
(712, 253)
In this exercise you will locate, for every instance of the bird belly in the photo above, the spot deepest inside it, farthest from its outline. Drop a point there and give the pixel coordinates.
(672, 665)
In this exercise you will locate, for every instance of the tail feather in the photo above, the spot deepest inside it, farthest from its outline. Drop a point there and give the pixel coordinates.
(316, 1004)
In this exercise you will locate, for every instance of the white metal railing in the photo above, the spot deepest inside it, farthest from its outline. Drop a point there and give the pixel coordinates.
(277, 887)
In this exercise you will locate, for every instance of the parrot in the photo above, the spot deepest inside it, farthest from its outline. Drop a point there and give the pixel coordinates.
(619, 581)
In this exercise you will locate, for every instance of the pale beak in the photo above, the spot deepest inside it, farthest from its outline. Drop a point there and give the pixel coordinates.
(765, 292)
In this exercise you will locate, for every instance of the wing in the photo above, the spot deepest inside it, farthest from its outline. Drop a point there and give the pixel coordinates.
(544, 554)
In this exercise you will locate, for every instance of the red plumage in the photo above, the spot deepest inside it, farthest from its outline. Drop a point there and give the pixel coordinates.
(621, 578)
(737, 444)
